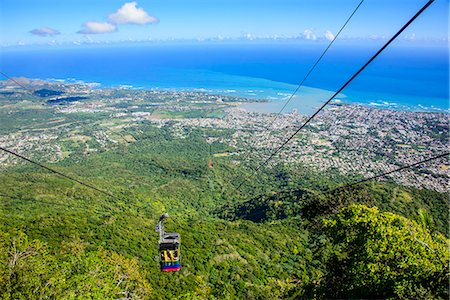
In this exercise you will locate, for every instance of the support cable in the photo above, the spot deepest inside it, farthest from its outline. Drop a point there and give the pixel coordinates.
(16, 82)
(310, 71)
(59, 173)
(352, 184)
(389, 172)
(265, 162)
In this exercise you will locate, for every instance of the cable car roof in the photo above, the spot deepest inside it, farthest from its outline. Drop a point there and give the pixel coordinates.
(170, 238)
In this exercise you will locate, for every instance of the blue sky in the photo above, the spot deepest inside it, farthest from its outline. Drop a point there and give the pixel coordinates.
(30, 22)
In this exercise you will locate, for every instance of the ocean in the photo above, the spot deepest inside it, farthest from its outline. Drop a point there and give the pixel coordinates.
(404, 77)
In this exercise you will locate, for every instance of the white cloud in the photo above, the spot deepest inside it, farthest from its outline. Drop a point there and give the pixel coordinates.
(309, 35)
(130, 14)
(97, 27)
(44, 31)
(410, 37)
(329, 35)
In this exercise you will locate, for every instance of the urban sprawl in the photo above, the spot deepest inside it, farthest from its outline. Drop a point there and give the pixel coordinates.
(353, 140)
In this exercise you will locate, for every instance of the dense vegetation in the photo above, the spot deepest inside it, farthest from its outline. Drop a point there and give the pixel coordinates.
(61, 240)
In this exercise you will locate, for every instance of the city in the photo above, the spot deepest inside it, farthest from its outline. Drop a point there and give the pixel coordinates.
(353, 140)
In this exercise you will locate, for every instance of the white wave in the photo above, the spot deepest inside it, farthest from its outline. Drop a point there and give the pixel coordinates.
(125, 86)
(56, 80)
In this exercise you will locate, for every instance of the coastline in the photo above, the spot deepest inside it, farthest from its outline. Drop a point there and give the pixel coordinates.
(269, 96)
(268, 71)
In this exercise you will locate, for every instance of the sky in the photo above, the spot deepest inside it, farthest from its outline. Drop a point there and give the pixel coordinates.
(55, 22)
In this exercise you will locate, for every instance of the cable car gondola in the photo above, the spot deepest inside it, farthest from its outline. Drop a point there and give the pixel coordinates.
(169, 247)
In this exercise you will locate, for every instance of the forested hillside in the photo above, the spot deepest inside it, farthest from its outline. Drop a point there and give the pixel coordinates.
(281, 236)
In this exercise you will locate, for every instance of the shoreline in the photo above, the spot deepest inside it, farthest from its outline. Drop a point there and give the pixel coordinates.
(260, 95)
(58, 119)
(305, 101)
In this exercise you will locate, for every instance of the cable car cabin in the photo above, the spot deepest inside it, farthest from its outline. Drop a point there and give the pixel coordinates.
(170, 254)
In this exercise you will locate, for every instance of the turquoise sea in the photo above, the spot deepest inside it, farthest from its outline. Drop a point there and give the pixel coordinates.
(405, 77)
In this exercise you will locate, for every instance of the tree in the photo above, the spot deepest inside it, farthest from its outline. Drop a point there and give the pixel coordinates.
(382, 255)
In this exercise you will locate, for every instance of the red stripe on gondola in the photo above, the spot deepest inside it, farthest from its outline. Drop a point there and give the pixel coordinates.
(170, 269)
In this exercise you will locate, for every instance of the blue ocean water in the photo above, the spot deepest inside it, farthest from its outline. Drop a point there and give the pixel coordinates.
(404, 77)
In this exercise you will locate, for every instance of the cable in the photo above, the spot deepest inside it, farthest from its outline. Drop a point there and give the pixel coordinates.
(42, 166)
(59, 173)
(389, 172)
(261, 213)
(346, 84)
(340, 89)
(311, 70)
(16, 82)
(317, 61)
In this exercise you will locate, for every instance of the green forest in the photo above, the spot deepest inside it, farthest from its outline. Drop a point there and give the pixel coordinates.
(285, 234)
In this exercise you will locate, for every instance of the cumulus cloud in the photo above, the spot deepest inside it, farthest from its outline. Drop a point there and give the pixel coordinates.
(309, 35)
(44, 31)
(130, 14)
(329, 35)
(97, 27)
